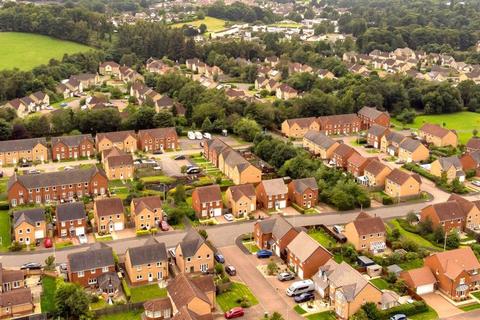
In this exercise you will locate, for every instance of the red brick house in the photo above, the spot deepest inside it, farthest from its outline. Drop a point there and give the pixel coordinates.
(471, 161)
(56, 186)
(212, 150)
(272, 194)
(73, 147)
(341, 155)
(274, 234)
(71, 219)
(369, 116)
(375, 134)
(356, 164)
(207, 201)
(158, 139)
(340, 124)
(303, 192)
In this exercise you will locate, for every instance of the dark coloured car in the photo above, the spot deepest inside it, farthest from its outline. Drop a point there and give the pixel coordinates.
(307, 296)
(236, 312)
(179, 157)
(264, 254)
(219, 258)
(230, 270)
(31, 266)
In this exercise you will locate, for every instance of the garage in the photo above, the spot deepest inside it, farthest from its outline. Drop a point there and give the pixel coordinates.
(281, 204)
(420, 279)
(80, 230)
(118, 226)
(217, 212)
(39, 234)
(424, 289)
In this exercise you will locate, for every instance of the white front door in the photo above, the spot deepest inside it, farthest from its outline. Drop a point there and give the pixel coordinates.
(150, 277)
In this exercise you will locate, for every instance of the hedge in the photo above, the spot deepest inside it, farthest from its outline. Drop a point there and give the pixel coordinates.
(146, 232)
(408, 309)
(126, 289)
(298, 208)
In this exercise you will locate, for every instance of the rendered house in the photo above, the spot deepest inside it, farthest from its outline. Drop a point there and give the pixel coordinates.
(29, 225)
(303, 192)
(147, 263)
(193, 298)
(109, 215)
(159, 139)
(118, 164)
(375, 174)
(71, 219)
(421, 280)
(450, 166)
(193, 255)
(207, 201)
(241, 199)
(473, 145)
(158, 66)
(367, 233)
(341, 154)
(272, 194)
(319, 144)
(146, 212)
(56, 186)
(123, 140)
(110, 68)
(375, 134)
(369, 116)
(400, 184)
(275, 234)
(297, 128)
(456, 271)
(438, 136)
(73, 147)
(305, 255)
(411, 150)
(15, 151)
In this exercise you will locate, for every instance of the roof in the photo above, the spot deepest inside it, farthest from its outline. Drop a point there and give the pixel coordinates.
(377, 130)
(119, 160)
(371, 113)
(274, 187)
(183, 290)
(448, 210)
(20, 145)
(150, 252)
(447, 162)
(16, 297)
(186, 314)
(159, 304)
(300, 185)
(72, 141)
(151, 203)
(418, 277)
(348, 280)
(243, 190)
(71, 211)
(10, 275)
(117, 136)
(159, 133)
(31, 216)
(410, 144)
(393, 136)
(108, 206)
(319, 138)
(473, 143)
(434, 130)
(209, 193)
(366, 224)
(97, 256)
(454, 262)
(303, 247)
(191, 243)
(375, 167)
(301, 122)
(400, 177)
(344, 150)
(109, 63)
(338, 119)
(276, 225)
(357, 159)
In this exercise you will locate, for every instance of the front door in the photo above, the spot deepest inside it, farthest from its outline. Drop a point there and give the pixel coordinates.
(150, 277)
(159, 275)
(110, 226)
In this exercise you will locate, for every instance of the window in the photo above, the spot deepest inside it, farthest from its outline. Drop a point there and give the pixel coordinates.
(139, 277)
(92, 271)
(80, 274)
(159, 264)
(92, 281)
(105, 269)
(20, 231)
(28, 230)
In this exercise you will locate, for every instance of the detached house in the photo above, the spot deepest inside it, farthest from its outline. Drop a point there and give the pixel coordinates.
(147, 263)
(400, 184)
(375, 134)
(367, 233)
(123, 140)
(15, 151)
(275, 234)
(207, 201)
(146, 212)
(29, 225)
(438, 136)
(411, 150)
(73, 147)
(303, 192)
(370, 116)
(297, 128)
(319, 144)
(69, 88)
(159, 139)
(192, 254)
(71, 219)
(285, 92)
(110, 68)
(375, 174)
(118, 164)
(305, 255)
(241, 199)
(450, 166)
(420, 280)
(473, 145)
(390, 142)
(272, 194)
(87, 80)
(109, 215)
(471, 161)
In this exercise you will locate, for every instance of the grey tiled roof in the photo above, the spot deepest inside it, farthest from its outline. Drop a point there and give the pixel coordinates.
(70, 211)
(20, 145)
(31, 216)
(151, 252)
(97, 256)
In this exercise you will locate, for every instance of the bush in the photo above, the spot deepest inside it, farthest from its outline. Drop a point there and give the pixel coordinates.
(146, 232)
(387, 200)
(408, 309)
(126, 289)
(272, 268)
(15, 246)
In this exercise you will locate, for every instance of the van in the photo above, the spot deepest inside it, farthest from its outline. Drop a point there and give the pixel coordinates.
(191, 135)
(207, 135)
(300, 287)
(198, 135)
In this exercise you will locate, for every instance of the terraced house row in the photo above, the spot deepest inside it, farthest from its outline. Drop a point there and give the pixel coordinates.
(61, 148)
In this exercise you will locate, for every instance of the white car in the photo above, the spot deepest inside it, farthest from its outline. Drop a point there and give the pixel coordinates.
(172, 252)
(476, 183)
(198, 135)
(157, 168)
(68, 168)
(82, 238)
(191, 135)
(207, 135)
(228, 217)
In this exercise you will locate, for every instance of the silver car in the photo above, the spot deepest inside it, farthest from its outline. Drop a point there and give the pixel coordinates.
(286, 276)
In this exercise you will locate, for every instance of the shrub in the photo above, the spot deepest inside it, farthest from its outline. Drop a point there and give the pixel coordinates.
(146, 232)
(387, 200)
(126, 289)
(15, 246)
(408, 309)
(272, 268)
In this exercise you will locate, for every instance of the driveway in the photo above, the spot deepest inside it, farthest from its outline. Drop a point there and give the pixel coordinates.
(443, 307)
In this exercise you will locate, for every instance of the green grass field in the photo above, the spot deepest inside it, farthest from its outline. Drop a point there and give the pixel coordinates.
(26, 50)
(213, 24)
(47, 299)
(462, 122)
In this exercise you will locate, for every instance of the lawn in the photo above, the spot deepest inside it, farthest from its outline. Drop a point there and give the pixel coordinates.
(476, 294)
(322, 238)
(228, 300)
(471, 307)
(414, 237)
(380, 283)
(412, 264)
(26, 50)
(63, 244)
(5, 230)
(213, 24)
(251, 246)
(427, 315)
(462, 122)
(158, 179)
(49, 286)
(326, 315)
(299, 310)
(148, 292)
(128, 315)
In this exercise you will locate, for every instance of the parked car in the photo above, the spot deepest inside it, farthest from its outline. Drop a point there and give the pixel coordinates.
(228, 217)
(34, 171)
(179, 157)
(207, 135)
(193, 170)
(337, 228)
(157, 152)
(474, 182)
(219, 258)
(64, 104)
(398, 316)
(164, 225)
(63, 268)
(157, 168)
(31, 266)
(230, 270)
(307, 296)
(286, 276)
(264, 254)
(235, 312)
(171, 251)
(300, 287)
(198, 135)
(191, 135)
(82, 238)
(68, 168)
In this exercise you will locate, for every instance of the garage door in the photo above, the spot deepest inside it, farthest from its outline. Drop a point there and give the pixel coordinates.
(281, 204)
(428, 288)
(217, 212)
(300, 273)
(118, 226)
(80, 230)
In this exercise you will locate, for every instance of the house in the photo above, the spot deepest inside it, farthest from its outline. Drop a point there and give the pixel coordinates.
(15, 151)
(451, 167)
(456, 271)
(123, 140)
(192, 297)
(411, 150)
(303, 192)
(241, 200)
(375, 174)
(318, 143)
(390, 142)
(118, 164)
(237, 168)
(127, 74)
(71, 219)
(272, 194)
(88, 268)
(341, 154)
(275, 234)
(109, 215)
(146, 212)
(473, 145)
(19, 106)
(285, 92)
(356, 164)
(159, 139)
(69, 88)
(207, 201)
(73, 147)
(29, 225)
(438, 136)
(212, 150)
(157, 309)
(158, 66)
(401, 185)
(56, 186)
(369, 116)
(471, 161)
(375, 134)
(147, 263)
(305, 255)
(297, 128)
(15, 303)
(345, 288)
(420, 280)
(109, 68)
(87, 80)
(367, 233)
(341, 124)
(192, 254)
(272, 61)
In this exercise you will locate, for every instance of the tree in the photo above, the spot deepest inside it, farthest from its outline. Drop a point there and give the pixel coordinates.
(38, 126)
(406, 116)
(179, 195)
(203, 233)
(203, 28)
(247, 129)
(163, 119)
(272, 268)
(371, 310)
(5, 130)
(50, 263)
(453, 240)
(72, 302)
(425, 226)
(276, 316)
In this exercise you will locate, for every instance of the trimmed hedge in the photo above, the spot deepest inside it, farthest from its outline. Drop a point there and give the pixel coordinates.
(146, 232)
(126, 289)
(408, 309)
(298, 208)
